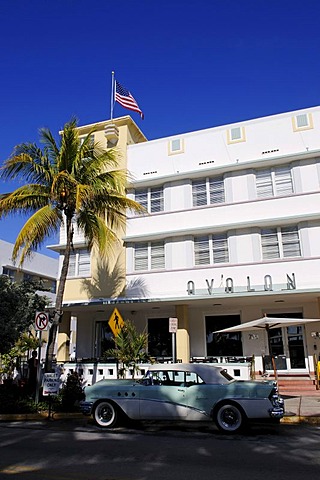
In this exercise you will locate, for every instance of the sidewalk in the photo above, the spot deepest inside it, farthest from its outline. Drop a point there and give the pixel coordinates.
(302, 409)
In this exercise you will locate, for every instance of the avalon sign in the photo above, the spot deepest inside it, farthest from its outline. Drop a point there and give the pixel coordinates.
(230, 287)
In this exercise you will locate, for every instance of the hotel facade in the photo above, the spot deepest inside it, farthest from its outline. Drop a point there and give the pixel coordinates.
(230, 234)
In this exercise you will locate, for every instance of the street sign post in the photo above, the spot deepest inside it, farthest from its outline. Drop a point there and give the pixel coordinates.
(51, 384)
(116, 322)
(41, 324)
(173, 327)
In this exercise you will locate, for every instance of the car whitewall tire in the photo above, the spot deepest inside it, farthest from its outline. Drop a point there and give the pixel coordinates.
(229, 418)
(105, 414)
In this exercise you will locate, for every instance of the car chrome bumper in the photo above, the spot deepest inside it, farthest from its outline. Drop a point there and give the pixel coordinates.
(277, 411)
(86, 407)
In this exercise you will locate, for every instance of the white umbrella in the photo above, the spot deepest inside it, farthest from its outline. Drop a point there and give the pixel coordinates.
(267, 323)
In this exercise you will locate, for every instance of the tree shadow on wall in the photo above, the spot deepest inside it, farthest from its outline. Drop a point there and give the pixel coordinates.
(136, 288)
(106, 281)
(110, 282)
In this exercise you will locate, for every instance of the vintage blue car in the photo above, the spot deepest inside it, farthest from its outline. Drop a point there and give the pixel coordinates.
(191, 392)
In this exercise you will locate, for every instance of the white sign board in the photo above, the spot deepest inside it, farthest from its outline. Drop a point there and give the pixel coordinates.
(41, 321)
(173, 325)
(51, 384)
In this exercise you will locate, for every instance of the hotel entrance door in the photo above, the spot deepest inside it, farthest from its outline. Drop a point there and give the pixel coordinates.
(288, 347)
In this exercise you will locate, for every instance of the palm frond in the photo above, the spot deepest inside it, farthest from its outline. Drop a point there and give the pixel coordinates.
(96, 231)
(27, 163)
(41, 225)
(69, 148)
(24, 200)
(50, 144)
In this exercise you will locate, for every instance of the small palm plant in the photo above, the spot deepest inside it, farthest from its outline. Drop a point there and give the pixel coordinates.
(130, 349)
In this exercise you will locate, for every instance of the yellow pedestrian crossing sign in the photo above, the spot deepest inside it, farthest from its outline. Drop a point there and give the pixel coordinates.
(116, 322)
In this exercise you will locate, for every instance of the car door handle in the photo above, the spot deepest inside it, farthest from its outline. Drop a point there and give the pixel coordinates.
(181, 390)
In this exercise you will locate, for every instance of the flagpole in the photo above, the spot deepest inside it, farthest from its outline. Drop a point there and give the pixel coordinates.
(112, 95)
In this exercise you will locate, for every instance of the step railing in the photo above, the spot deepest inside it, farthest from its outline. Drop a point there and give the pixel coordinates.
(316, 371)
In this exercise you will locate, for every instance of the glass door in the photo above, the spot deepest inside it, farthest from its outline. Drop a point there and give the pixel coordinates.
(288, 347)
(296, 348)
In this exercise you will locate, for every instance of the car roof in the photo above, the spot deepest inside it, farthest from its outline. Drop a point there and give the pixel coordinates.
(209, 373)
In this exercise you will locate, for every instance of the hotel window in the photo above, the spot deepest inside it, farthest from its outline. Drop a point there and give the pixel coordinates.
(79, 263)
(82, 139)
(236, 135)
(149, 256)
(208, 191)
(9, 272)
(274, 182)
(27, 277)
(303, 121)
(175, 146)
(150, 198)
(281, 242)
(211, 249)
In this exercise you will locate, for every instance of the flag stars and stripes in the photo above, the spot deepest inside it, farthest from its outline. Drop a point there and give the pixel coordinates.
(124, 97)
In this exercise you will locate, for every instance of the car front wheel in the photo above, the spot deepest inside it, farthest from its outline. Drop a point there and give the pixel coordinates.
(229, 418)
(105, 414)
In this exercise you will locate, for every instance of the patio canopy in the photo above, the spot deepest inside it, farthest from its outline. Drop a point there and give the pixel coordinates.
(267, 323)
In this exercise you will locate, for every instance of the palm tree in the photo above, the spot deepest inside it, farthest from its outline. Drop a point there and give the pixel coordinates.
(130, 349)
(68, 181)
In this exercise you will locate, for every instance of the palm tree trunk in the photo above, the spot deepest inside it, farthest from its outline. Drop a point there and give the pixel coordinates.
(59, 298)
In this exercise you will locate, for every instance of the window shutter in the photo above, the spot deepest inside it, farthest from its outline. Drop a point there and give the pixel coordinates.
(236, 133)
(199, 193)
(220, 248)
(156, 199)
(157, 255)
(290, 242)
(216, 188)
(141, 256)
(141, 196)
(302, 120)
(72, 265)
(270, 244)
(175, 145)
(283, 180)
(84, 263)
(264, 184)
(201, 251)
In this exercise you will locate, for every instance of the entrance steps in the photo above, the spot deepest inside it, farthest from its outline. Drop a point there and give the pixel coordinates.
(296, 385)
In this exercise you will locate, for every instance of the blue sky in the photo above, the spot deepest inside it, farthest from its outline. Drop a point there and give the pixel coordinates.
(189, 64)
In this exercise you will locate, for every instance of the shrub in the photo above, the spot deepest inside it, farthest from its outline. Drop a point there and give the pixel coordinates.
(71, 393)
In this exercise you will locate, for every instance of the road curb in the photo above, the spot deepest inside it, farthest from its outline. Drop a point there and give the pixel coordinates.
(300, 419)
(41, 416)
(23, 417)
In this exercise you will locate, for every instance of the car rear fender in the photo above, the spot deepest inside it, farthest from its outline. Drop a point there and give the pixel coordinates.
(251, 407)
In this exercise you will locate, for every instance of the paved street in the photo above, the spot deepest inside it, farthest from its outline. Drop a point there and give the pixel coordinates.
(77, 449)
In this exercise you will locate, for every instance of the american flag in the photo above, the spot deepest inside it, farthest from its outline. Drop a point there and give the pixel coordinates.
(124, 97)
